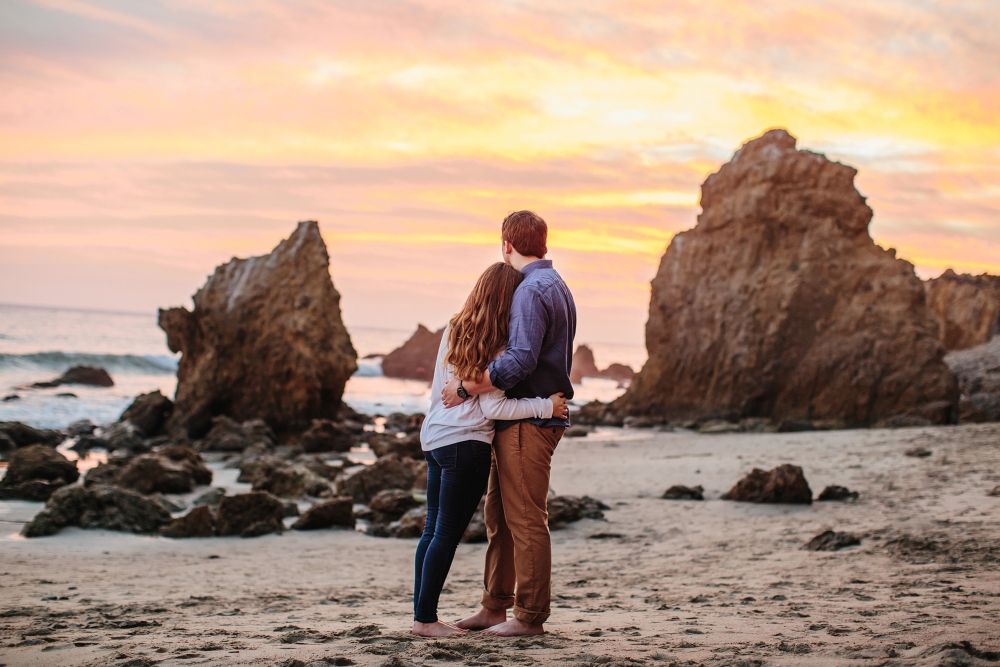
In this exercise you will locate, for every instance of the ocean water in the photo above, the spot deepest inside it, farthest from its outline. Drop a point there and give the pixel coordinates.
(39, 344)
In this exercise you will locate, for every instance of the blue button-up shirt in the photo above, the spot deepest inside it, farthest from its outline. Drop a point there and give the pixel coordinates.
(539, 353)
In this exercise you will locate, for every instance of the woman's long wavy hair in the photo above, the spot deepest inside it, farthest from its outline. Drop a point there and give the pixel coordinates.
(478, 333)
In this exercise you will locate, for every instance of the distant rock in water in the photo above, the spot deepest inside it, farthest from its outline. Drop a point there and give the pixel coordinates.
(265, 340)
(967, 308)
(584, 366)
(978, 372)
(778, 305)
(415, 359)
(87, 375)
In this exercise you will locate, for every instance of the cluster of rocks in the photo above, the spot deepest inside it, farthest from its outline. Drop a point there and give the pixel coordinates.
(784, 484)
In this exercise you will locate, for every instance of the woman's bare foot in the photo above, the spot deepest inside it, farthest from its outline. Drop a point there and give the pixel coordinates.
(482, 619)
(515, 628)
(436, 629)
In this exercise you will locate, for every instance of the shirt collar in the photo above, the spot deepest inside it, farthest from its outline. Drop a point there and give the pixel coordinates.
(537, 264)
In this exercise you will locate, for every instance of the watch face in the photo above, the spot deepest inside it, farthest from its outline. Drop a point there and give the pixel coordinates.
(462, 394)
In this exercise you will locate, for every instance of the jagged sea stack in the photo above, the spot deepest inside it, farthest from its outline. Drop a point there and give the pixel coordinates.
(265, 340)
(778, 304)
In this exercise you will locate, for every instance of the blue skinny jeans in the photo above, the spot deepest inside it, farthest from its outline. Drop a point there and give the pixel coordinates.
(457, 476)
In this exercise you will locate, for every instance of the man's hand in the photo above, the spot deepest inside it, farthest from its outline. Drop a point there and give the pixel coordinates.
(476, 386)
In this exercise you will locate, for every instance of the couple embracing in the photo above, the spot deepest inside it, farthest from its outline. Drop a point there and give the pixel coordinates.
(498, 410)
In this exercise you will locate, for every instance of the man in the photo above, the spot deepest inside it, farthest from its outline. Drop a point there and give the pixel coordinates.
(537, 362)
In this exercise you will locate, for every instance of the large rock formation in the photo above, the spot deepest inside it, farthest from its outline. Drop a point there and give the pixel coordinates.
(978, 373)
(967, 308)
(265, 340)
(779, 305)
(584, 366)
(415, 359)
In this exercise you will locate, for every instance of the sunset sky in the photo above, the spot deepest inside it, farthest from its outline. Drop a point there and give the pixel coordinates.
(143, 143)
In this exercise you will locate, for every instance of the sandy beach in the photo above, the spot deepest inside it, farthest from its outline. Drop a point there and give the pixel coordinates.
(658, 582)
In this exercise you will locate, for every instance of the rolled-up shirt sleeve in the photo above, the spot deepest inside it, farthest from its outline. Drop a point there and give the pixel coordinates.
(529, 320)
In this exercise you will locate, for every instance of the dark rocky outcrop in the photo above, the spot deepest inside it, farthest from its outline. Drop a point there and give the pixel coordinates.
(967, 308)
(249, 515)
(678, 492)
(338, 512)
(584, 366)
(415, 359)
(86, 375)
(107, 507)
(779, 305)
(567, 509)
(199, 522)
(35, 472)
(784, 484)
(173, 469)
(830, 540)
(978, 373)
(265, 340)
(836, 493)
(149, 412)
(389, 472)
(23, 435)
(326, 435)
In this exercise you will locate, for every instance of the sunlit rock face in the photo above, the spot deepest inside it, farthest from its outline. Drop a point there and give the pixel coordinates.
(967, 308)
(778, 304)
(265, 340)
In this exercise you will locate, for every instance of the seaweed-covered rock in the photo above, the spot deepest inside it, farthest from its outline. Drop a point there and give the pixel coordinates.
(265, 340)
(336, 512)
(108, 507)
(199, 522)
(35, 472)
(249, 514)
(149, 412)
(784, 484)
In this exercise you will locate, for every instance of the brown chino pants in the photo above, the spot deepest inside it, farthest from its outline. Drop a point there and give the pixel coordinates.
(519, 556)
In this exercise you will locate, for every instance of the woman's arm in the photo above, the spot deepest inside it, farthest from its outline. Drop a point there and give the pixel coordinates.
(495, 405)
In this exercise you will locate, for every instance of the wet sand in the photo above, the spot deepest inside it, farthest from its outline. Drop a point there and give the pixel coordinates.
(659, 582)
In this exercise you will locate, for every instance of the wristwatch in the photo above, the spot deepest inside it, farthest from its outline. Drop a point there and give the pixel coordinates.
(462, 394)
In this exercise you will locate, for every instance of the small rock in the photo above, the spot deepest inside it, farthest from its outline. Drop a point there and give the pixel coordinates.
(211, 497)
(173, 469)
(327, 436)
(918, 452)
(784, 484)
(35, 472)
(123, 436)
(149, 412)
(409, 525)
(246, 514)
(86, 375)
(23, 435)
(838, 493)
(227, 435)
(11, 397)
(256, 470)
(995, 492)
(336, 512)
(173, 505)
(85, 443)
(829, 540)
(577, 432)
(717, 426)
(363, 482)
(384, 444)
(291, 508)
(393, 502)
(293, 482)
(678, 492)
(81, 427)
(66, 394)
(199, 522)
(567, 509)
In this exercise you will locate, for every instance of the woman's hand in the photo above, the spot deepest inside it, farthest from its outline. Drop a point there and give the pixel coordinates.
(559, 408)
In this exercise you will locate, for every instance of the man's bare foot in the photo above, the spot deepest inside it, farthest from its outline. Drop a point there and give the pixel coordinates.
(482, 619)
(437, 629)
(515, 628)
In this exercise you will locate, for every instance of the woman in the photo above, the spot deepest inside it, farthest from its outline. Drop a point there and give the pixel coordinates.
(456, 441)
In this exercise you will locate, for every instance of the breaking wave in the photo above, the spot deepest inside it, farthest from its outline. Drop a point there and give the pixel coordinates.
(149, 364)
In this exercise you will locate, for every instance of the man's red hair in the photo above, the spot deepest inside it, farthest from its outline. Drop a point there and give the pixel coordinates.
(527, 232)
